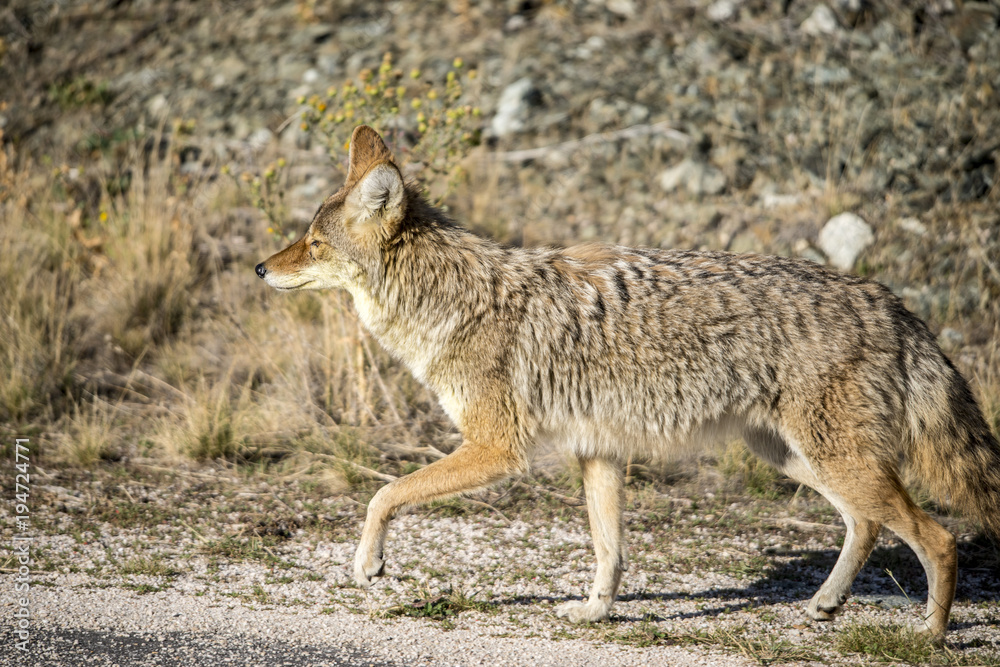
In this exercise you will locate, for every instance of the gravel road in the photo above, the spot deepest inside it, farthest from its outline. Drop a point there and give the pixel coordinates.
(714, 579)
(115, 627)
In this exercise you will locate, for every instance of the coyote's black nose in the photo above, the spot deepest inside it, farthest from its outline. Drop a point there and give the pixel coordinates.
(261, 270)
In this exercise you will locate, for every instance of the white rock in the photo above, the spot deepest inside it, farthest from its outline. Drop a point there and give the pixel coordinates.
(310, 76)
(803, 249)
(157, 106)
(696, 177)
(843, 238)
(624, 8)
(848, 5)
(513, 108)
(820, 22)
(913, 226)
(721, 11)
(772, 200)
(951, 339)
(260, 138)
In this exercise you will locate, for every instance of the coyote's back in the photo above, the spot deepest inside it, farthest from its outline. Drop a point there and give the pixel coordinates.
(615, 351)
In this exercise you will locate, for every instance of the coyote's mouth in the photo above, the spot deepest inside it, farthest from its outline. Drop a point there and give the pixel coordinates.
(295, 287)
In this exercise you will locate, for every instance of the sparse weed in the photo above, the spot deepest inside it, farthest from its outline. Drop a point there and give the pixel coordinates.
(92, 434)
(153, 566)
(436, 117)
(80, 92)
(762, 649)
(144, 589)
(439, 607)
(253, 547)
(894, 643)
(758, 478)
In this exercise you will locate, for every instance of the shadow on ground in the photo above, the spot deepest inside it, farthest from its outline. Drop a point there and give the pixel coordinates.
(798, 579)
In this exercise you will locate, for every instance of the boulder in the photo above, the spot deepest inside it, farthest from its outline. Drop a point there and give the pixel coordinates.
(843, 238)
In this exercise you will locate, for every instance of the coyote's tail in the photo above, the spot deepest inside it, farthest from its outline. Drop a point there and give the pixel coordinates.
(953, 450)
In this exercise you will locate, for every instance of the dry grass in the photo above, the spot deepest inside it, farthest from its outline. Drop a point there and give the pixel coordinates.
(135, 327)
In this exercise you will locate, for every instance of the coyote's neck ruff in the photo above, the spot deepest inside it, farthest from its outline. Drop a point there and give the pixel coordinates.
(616, 351)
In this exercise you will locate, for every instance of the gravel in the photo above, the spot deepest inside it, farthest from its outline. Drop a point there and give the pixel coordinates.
(706, 573)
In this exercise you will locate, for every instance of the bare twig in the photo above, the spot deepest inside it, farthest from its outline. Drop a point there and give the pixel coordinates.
(157, 382)
(633, 132)
(428, 450)
(378, 378)
(489, 507)
(805, 525)
(178, 471)
(357, 467)
(201, 538)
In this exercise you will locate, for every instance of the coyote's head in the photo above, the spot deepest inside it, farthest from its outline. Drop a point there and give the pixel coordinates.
(343, 243)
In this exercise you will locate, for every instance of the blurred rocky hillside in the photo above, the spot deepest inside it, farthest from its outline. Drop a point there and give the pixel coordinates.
(737, 124)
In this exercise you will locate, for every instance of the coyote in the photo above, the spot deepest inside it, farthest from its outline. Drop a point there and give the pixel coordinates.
(616, 352)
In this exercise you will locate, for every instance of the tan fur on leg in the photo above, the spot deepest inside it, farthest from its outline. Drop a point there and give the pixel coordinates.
(603, 482)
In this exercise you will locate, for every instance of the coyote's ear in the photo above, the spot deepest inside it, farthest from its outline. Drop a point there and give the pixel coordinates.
(377, 200)
(367, 148)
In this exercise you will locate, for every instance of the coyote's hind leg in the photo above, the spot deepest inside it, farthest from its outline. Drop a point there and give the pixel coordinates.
(858, 544)
(869, 495)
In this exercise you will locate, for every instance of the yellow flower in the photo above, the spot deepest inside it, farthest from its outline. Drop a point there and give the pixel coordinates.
(281, 162)
(416, 104)
(104, 216)
(457, 63)
(414, 73)
(432, 94)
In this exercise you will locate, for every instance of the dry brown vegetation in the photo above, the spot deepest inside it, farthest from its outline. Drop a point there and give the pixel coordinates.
(134, 328)
(159, 379)
(142, 333)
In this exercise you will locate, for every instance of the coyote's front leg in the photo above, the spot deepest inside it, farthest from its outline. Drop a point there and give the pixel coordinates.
(605, 489)
(472, 466)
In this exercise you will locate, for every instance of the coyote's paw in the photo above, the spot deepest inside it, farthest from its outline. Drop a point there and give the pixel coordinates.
(366, 569)
(824, 607)
(936, 636)
(583, 612)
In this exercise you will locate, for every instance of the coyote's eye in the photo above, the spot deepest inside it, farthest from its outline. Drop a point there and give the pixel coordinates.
(315, 244)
